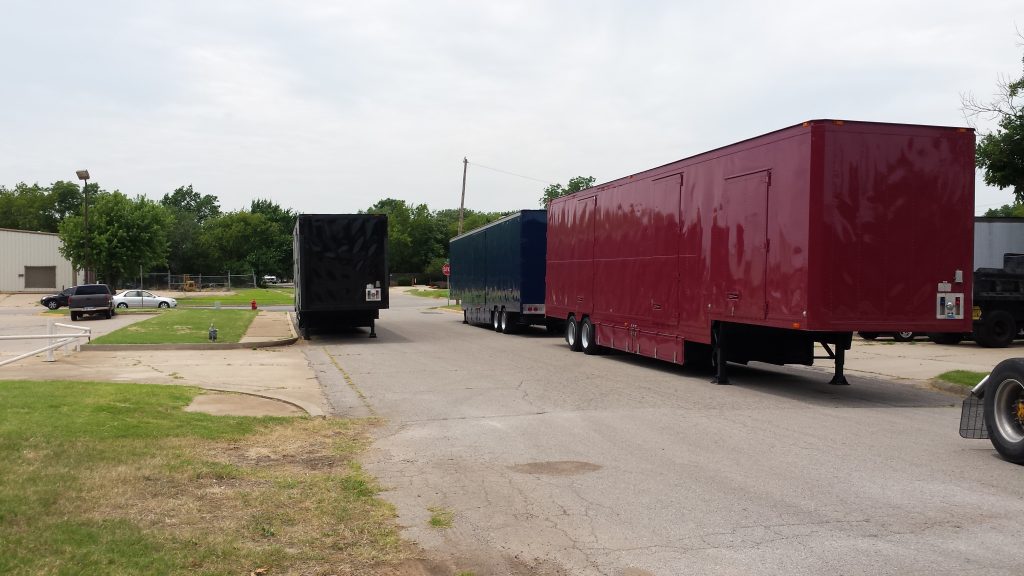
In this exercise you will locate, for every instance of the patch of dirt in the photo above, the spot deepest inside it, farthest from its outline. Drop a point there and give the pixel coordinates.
(555, 468)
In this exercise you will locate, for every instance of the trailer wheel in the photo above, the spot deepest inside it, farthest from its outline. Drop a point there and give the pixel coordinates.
(947, 338)
(465, 317)
(868, 335)
(1004, 409)
(496, 320)
(996, 329)
(588, 338)
(507, 324)
(572, 334)
(903, 336)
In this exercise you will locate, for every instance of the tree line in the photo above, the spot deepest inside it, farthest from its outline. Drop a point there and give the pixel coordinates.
(186, 232)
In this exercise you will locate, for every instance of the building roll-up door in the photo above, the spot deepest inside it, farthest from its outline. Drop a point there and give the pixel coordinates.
(40, 277)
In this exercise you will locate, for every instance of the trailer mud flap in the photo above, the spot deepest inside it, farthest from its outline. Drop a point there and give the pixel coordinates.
(972, 418)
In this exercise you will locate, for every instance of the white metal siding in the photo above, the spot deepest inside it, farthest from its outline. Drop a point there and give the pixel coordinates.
(19, 249)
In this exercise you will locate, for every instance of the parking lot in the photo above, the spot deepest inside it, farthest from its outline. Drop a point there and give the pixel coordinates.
(560, 463)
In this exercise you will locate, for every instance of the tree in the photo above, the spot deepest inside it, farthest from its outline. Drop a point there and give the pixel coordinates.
(557, 190)
(201, 206)
(414, 236)
(124, 235)
(26, 208)
(1001, 152)
(244, 241)
(1006, 211)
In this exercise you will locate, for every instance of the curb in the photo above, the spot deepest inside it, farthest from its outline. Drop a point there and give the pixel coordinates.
(310, 410)
(949, 387)
(210, 346)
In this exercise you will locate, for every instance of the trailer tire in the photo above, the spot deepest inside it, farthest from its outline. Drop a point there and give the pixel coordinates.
(572, 334)
(946, 338)
(996, 329)
(507, 322)
(868, 335)
(465, 317)
(496, 320)
(588, 338)
(1004, 409)
(903, 336)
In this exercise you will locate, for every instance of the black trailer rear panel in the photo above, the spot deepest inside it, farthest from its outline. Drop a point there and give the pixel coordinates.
(341, 270)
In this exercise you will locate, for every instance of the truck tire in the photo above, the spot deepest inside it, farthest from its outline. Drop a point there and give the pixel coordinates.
(903, 336)
(588, 338)
(74, 316)
(572, 334)
(946, 338)
(109, 314)
(996, 329)
(508, 325)
(868, 335)
(1004, 409)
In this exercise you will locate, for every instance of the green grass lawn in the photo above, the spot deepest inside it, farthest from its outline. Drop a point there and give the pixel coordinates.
(262, 296)
(104, 478)
(183, 327)
(963, 377)
(429, 293)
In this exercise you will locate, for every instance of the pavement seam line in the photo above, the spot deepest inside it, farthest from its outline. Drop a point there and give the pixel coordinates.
(351, 383)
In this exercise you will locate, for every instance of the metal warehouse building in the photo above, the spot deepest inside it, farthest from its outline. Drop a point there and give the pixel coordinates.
(31, 262)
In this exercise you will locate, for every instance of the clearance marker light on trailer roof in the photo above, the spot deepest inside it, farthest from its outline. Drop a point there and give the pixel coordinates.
(838, 122)
(796, 325)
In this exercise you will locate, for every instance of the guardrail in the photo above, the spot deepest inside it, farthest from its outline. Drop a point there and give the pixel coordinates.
(55, 341)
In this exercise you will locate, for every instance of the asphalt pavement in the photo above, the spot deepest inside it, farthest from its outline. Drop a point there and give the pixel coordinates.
(559, 463)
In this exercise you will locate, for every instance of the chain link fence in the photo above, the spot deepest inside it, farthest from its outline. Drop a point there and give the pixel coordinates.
(193, 282)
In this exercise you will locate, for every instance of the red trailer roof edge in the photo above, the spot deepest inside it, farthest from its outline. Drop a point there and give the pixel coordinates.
(804, 124)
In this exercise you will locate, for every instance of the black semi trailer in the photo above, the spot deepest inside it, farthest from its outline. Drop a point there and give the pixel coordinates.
(341, 270)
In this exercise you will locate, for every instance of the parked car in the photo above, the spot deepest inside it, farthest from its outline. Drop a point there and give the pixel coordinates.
(55, 301)
(143, 299)
(90, 299)
(897, 336)
(270, 279)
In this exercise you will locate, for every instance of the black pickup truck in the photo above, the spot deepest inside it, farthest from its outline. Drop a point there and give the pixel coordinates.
(91, 299)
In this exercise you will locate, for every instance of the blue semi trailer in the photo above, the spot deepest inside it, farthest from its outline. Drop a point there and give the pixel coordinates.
(497, 271)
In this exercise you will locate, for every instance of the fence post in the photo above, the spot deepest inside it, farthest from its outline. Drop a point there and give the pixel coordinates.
(229, 279)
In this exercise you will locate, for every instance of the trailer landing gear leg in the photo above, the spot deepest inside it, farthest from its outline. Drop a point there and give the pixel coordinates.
(719, 355)
(838, 379)
(373, 331)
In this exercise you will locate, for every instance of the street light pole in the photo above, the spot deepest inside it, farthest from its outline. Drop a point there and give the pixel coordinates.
(462, 203)
(83, 175)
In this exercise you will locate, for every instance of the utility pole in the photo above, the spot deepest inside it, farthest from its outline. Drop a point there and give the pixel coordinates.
(462, 203)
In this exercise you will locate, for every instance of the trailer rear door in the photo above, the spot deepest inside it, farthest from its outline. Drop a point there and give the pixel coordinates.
(739, 247)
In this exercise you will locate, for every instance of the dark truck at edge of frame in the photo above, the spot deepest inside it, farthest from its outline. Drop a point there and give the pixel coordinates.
(497, 272)
(341, 270)
(758, 250)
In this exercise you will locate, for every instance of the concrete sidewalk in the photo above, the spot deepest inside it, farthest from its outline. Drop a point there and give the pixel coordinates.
(269, 326)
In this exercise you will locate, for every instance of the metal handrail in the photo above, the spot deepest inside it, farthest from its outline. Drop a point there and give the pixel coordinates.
(61, 340)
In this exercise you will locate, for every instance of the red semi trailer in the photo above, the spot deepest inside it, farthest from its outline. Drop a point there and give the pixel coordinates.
(758, 250)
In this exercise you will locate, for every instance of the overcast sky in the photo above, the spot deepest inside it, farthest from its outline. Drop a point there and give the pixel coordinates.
(328, 106)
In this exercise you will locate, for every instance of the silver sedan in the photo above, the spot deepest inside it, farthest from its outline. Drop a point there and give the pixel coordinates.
(142, 299)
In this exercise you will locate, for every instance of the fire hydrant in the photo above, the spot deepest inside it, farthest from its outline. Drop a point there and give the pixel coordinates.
(253, 304)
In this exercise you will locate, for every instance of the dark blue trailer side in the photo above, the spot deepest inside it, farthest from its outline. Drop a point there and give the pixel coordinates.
(497, 271)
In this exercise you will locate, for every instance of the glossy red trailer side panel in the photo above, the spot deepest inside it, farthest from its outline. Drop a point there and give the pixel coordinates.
(893, 204)
(826, 226)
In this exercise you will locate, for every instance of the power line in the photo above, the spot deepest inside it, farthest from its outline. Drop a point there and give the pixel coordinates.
(511, 173)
